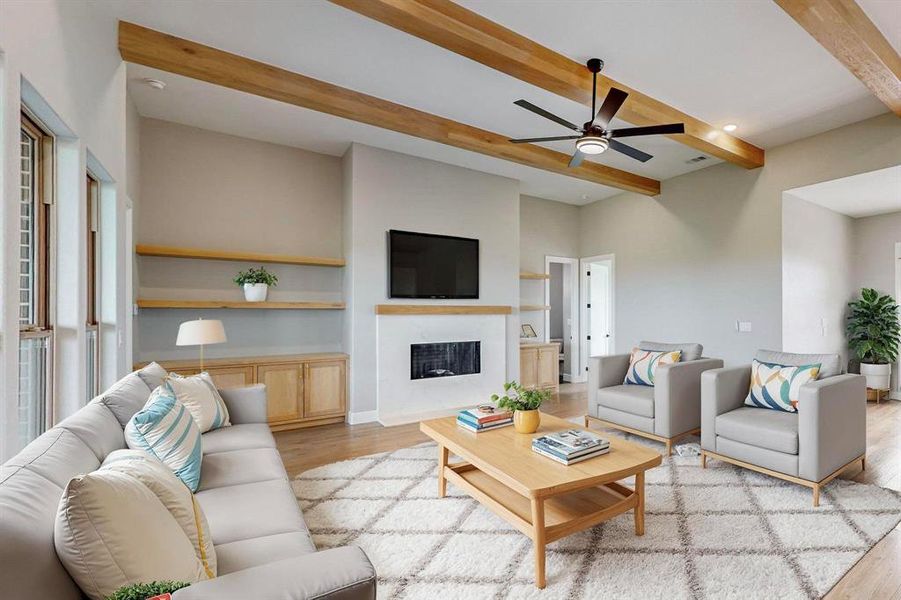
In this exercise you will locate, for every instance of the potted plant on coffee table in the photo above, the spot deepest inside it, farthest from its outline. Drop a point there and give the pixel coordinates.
(148, 591)
(524, 404)
(874, 333)
(256, 283)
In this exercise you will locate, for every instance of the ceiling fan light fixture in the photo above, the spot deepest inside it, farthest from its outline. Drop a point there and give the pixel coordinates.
(591, 144)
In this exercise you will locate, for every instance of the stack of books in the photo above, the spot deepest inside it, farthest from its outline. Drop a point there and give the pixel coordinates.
(570, 447)
(475, 420)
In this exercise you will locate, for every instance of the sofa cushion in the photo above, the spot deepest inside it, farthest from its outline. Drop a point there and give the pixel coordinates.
(240, 512)
(244, 554)
(634, 399)
(98, 427)
(126, 397)
(238, 437)
(153, 375)
(111, 531)
(643, 365)
(240, 466)
(771, 429)
(174, 495)
(778, 387)
(165, 429)
(830, 364)
(689, 351)
(201, 398)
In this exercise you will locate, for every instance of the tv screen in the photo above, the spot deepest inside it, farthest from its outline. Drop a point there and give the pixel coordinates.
(423, 265)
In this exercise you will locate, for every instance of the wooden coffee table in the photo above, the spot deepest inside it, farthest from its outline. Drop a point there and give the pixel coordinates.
(543, 499)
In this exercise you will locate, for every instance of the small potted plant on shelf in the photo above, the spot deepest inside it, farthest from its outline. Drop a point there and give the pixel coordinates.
(148, 591)
(874, 333)
(256, 283)
(524, 404)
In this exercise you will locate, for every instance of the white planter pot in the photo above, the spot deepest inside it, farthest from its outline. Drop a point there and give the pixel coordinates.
(255, 292)
(878, 376)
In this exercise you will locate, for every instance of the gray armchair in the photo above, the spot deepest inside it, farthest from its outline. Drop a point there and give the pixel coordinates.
(810, 447)
(666, 412)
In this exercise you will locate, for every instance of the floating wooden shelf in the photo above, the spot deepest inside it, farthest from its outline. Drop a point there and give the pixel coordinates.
(286, 259)
(148, 303)
(530, 275)
(531, 307)
(441, 309)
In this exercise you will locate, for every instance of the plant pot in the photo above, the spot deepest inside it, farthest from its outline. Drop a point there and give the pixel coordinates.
(878, 376)
(526, 421)
(255, 292)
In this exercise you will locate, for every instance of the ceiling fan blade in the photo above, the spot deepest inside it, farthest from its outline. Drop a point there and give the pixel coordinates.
(545, 139)
(630, 151)
(649, 130)
(540, 111)
(612, 103)
(576, 160)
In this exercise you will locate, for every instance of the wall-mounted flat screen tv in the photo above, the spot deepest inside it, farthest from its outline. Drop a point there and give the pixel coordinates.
(424, 265)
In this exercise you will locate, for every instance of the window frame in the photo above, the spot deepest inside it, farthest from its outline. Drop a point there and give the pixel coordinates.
(41, 211)
(92, 239)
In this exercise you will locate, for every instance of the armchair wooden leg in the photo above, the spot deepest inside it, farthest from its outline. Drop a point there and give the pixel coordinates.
(586, 422)
(816, 495)
(703, 460)
(863, 463)
(669, 447)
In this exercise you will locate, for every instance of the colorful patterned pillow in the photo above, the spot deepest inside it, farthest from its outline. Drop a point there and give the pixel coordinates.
(778, 386)
(166, 430)
(643, 364)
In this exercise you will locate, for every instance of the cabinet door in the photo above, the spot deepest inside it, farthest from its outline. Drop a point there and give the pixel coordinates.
(229, 377)
(324, 389)
(284, 390)
(528, 367)
(548, 358)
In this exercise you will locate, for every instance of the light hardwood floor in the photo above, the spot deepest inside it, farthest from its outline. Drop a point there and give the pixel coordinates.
(876, 576)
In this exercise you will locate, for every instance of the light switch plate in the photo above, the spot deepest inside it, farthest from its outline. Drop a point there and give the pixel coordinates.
(743, 326)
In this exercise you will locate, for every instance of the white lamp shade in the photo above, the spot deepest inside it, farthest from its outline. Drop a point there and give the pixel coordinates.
(200, 332)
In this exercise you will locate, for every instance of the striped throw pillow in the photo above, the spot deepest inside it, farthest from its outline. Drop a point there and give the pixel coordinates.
(201, 398)
(643, 364)
(778, 386)
(165, 429)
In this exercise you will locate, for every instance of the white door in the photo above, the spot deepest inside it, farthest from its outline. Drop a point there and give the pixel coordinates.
(597, 307)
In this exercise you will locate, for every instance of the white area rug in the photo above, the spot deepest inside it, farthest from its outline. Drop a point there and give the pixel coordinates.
(722, 532)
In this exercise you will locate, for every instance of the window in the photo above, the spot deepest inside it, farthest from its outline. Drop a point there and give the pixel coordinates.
(92, 334)
(35, 331)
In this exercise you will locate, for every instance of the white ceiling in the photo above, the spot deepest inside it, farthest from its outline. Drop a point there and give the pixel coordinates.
(719, 60)
(864, 195)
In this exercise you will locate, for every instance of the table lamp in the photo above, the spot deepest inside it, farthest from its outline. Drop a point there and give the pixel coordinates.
(200, 333)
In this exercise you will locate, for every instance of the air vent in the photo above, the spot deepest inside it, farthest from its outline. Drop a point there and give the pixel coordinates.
(694, 160)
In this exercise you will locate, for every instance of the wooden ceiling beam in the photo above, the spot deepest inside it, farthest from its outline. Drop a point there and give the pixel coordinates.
(467, 33)
(165, 52)
(844, 29)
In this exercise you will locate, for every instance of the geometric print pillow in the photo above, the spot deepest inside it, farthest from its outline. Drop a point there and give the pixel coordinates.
(643, 364)
(778, 386)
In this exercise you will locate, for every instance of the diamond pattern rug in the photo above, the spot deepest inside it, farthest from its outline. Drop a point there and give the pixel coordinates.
(720, 532)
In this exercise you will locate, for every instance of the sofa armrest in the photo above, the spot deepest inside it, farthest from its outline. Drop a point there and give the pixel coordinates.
(338, 574)
(722, 390)
(832, 424)
(677, 395)
(246, 404)
(605, 371)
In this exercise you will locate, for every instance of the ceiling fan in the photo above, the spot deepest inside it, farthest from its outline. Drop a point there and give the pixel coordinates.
(594, 137)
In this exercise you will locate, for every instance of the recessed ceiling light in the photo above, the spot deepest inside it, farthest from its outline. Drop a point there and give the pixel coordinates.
(730, 127)
(154, 83)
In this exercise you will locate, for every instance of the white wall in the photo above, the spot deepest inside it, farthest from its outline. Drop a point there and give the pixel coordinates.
(395, 191)
(66, 52)
(708, 250)
(874, 251)
(210, 190)
(817, 277)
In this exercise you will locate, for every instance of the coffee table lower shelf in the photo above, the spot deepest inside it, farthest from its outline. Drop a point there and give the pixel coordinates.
(550, 518)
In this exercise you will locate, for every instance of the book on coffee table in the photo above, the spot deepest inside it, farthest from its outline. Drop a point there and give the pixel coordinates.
(546, 452)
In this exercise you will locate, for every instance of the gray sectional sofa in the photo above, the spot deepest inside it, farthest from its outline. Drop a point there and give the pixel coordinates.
(263, 547)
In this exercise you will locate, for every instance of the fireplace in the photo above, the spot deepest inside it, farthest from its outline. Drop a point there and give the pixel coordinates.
(445, 359)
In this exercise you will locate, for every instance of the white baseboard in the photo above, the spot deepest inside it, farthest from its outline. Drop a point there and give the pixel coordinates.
(366, 416)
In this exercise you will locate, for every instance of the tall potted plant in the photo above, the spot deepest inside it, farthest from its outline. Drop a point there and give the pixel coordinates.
(256, 283)
(524, 404)
(874, 333)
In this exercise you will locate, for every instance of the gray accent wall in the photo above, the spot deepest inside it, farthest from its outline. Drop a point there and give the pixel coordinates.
(707, 251)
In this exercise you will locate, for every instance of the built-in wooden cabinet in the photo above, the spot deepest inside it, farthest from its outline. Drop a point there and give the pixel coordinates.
(303, 389)
(539, 366)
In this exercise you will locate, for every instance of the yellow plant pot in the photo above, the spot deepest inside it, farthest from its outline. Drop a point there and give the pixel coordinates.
(526, 421)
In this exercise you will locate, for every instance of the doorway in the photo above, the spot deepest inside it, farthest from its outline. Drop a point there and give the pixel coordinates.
(896, 376)
(597, 307)
(561, 322)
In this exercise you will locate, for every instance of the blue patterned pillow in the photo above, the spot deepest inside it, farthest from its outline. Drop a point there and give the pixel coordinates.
(778, 386)
(643, 364)
(165, 429)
